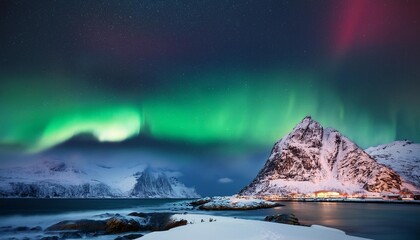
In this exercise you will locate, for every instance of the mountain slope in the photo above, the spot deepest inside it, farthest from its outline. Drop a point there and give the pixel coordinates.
(312, 158)
(402, 156)
(53, 178)
(158, 185)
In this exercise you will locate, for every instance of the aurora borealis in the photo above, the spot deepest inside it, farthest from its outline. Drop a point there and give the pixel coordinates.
(237, 74)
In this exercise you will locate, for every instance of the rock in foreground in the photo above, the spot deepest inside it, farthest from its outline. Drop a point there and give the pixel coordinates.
(283, 218)
(83, 226)
(130, 236)
(109, 226)
(134, 222)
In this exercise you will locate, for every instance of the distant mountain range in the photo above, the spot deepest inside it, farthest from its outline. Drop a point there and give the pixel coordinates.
(312, 158)
(67, 179)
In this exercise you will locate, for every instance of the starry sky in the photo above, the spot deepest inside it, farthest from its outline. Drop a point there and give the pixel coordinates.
(205, 87)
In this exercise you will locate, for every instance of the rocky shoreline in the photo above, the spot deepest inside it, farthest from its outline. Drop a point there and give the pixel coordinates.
(232, 203)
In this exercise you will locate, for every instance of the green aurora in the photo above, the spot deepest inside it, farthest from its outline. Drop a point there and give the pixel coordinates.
(255, 109)
(235, 74)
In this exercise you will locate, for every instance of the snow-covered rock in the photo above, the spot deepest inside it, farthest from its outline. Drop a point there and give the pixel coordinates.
(233, 203)
(70, 179)
(402, 156)
(312, 158)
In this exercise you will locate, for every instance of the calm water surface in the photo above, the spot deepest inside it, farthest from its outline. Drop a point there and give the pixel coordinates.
(371, 220)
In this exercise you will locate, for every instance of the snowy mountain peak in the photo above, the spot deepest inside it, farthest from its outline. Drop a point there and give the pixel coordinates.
(311, 158)
(151, 184)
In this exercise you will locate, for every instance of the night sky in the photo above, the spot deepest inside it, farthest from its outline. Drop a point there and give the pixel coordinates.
(204, 87)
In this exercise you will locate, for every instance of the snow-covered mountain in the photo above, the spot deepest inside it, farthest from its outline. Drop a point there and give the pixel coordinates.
(312, 158)
(402, 156)
(152, 184)
(54, 178)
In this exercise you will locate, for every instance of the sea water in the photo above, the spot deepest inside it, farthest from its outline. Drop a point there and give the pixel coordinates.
(371, 220)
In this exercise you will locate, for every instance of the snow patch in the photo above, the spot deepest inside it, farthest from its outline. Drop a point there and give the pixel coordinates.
(205, 227)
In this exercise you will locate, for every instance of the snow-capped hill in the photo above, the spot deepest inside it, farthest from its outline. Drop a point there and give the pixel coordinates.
(402, 156)
(312, 158)
(151, 184)
(53, 178)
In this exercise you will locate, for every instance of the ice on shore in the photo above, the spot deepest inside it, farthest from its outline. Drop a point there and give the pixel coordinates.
(207, 227)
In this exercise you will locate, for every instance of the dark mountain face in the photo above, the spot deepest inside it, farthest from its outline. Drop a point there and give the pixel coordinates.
(149, 185)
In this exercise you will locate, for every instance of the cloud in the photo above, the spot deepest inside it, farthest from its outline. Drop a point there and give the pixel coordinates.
(225, 180)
